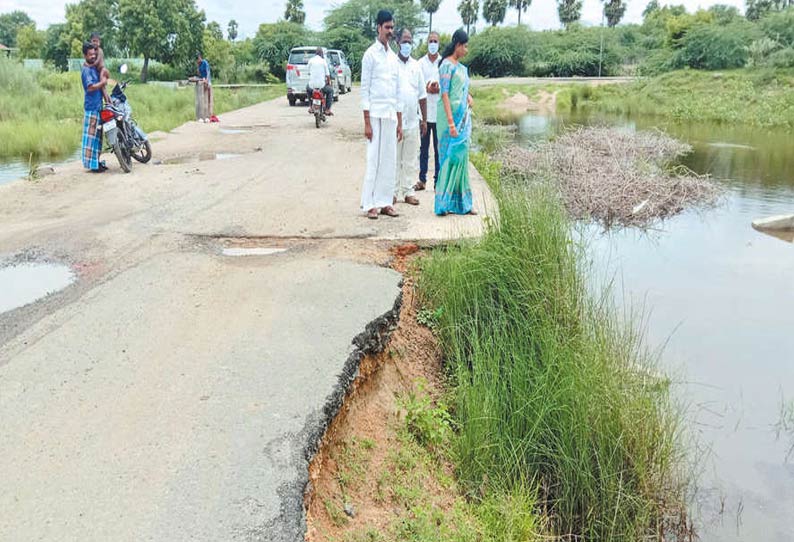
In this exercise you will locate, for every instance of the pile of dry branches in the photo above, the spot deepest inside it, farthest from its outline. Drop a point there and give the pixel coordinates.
(615, 177)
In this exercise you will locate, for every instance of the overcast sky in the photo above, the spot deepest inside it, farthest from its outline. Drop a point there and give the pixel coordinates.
(249, 14)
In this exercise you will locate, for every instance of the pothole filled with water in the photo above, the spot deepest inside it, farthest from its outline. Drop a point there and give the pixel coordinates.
(253, 251)
(25, 283)
(232, 131)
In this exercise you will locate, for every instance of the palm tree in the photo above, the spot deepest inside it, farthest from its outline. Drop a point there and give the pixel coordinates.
(294, 12)
(231, 30)
(614, 11)
(520, 5)
(569, 11)
(469, 10)
(494, 11)
(430, 6)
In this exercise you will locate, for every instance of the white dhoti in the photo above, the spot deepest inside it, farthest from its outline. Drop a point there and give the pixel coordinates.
(378, 190)
(407, 163)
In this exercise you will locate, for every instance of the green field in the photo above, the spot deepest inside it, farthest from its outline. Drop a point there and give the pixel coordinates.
(42, 113)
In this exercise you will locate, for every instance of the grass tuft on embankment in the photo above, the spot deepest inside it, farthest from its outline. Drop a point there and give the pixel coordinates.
(754, 97)
(551, 396)
(41, 113)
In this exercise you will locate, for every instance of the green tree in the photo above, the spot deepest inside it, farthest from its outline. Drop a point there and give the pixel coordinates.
(231, 30)
(756, 9)
(469, 10)
(169, 31)
(214, 28)
(89, 16)
(352, 42)
(724, 14)
(614, 11)
(10, 23)
(273, 42)
(360, 15)
(30, 42)
(494, 11)
(56, 50)
(520, 5)
(569, 11)
(218, 53)
(294, 12)
(430, 7)
(652, 7)
(780, 27)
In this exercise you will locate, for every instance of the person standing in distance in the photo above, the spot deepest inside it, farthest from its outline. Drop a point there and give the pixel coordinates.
(380, 84)
(320, 77)
(429, 65)
(93, 84)
(414, 101)
(205, 74)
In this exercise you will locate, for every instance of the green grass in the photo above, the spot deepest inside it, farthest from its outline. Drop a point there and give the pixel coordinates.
(551, 395)
(754, 97)
(42, 114)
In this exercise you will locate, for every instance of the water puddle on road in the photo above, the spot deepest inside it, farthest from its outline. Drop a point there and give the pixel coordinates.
(256, 251)
(24, 283)
(233, 131)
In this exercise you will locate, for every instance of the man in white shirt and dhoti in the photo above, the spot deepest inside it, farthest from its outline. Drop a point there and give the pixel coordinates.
(380, 83)
(413, 96)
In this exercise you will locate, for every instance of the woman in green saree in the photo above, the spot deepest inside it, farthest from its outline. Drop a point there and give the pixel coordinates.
(453, 192)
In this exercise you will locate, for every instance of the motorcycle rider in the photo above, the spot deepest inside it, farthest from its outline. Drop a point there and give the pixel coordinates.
(320, 77)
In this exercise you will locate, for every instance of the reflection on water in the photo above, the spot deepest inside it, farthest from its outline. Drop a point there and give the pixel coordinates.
(24, 283)
(720, 297)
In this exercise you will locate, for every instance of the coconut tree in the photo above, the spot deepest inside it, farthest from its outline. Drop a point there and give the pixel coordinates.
(569, 11)
(614, 11)
(494, 11)
(231, 30)
(430, 6)
(469, 12)
(294, 12)
(520, 5)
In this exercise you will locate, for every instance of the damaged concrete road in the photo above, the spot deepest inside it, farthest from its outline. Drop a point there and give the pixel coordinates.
(174, 392)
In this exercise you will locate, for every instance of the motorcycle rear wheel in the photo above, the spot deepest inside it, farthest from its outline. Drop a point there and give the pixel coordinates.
(144, 153)
(122, 151)
(317, 119)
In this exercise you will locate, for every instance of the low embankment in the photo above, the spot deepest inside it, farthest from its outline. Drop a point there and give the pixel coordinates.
(42, 112)
(757, 97)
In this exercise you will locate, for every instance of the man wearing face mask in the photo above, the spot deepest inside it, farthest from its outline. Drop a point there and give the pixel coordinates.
(429, 65)
(413, 96)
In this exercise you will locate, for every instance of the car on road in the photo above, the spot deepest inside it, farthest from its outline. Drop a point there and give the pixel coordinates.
(298, 73)
(344, 75)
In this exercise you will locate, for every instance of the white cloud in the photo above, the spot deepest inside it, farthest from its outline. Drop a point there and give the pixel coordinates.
(541, 15)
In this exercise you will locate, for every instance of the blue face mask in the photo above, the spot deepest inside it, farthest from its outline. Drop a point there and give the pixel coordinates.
(405, 49)
(432, 48)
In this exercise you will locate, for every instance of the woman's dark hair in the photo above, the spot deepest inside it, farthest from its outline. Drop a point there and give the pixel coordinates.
(459, 37)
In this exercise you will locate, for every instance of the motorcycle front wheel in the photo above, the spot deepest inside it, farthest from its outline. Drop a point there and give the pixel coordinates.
(122, 151)
(317, 119)
(144, 153)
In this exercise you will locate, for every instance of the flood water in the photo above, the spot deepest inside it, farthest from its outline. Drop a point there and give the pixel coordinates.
(719, 297)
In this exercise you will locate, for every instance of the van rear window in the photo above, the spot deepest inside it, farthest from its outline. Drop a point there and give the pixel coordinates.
(300, 57)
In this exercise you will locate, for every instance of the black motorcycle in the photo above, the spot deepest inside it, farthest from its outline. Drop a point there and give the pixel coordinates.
(121, 132)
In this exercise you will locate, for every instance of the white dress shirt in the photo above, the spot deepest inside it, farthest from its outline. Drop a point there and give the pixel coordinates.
(430, 73)
(380, 82)
(412, 89)
(318, 71)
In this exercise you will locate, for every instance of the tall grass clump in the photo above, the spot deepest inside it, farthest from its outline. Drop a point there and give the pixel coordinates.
(551, 393)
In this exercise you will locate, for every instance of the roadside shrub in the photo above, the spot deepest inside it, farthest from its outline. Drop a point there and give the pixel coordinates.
(14, 78)
(166, 72)
(499, 52)
(57, 81)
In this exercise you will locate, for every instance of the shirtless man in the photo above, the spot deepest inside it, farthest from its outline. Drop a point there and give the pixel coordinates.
(96, 39)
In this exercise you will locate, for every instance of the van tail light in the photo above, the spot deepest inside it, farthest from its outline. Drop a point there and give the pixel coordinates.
(107, 115)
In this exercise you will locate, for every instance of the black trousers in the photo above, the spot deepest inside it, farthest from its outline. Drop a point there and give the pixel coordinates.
(424, 151)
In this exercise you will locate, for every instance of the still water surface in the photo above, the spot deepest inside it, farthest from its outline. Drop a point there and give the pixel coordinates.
(720, 297)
